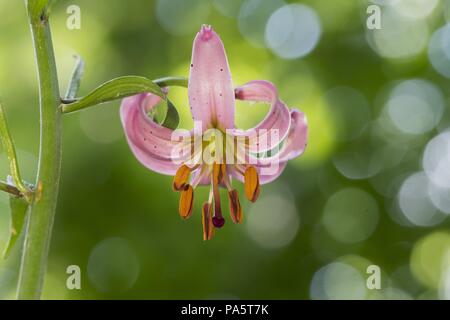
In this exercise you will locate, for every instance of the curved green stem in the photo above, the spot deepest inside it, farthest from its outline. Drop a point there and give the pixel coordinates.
(40, 219)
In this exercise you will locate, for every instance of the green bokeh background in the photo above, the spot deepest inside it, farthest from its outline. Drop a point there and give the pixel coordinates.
(118, 221)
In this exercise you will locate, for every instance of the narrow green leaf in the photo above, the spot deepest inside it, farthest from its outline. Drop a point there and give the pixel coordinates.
(19, 209)
(75, 79)
(114, 89)
(8, 144)
(165, 114)
(172, 117)
(172, 81)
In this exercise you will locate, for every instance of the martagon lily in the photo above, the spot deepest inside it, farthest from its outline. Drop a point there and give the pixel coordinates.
(247, 155)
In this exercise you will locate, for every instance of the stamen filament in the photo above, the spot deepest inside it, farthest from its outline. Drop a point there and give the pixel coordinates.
(235, 206)
(204, 171)
(208, 227)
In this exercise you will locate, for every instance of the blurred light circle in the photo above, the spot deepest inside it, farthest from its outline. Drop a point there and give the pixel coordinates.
(180, 17)
(358, 161)
(430, 258)
(391, 293)
(439, 50)
(293, 31)
(446, 9)
(415, 106)
(436, 160)
(351, 111)
(415, 203)
(273, 221)
(399, 37)
(383, 2)
(350, 215)
(392, 207)
(403, 278)
(253, 17)
(415, 9)
(440, 197)
(229, 8)
(337, 281)
(388, 182)
(444, 288)
(113, 265)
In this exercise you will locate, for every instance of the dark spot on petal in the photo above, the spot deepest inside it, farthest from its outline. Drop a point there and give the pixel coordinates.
(221, 69)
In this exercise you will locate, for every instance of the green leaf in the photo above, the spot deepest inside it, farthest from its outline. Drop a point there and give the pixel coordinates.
(19, 209)
(75, 79)
(165, 114)
(115, 89)
(8, 144)
(172, 81)
(172, 117)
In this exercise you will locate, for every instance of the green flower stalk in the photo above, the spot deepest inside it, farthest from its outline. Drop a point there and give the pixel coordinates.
(43, 205)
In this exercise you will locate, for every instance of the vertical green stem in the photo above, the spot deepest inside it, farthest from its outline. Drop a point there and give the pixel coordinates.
(40, 220)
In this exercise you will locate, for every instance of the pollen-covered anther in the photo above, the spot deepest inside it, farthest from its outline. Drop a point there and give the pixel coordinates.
(251, 183)
(208, 227)
(186, 201)
(235, 206)
(181, 178)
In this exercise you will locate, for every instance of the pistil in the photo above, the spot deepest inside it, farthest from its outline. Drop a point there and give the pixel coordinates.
(217, 176)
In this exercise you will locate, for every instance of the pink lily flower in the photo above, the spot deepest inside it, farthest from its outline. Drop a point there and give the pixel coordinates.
(212, 102)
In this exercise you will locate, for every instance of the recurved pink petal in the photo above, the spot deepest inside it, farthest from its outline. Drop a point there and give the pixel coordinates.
(274, 127)
(297, 139)
(269, 168)
(211, 94)
(294, 144)
(150, 142)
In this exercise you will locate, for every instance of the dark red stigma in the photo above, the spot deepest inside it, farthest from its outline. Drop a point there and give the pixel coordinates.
(218, 222)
